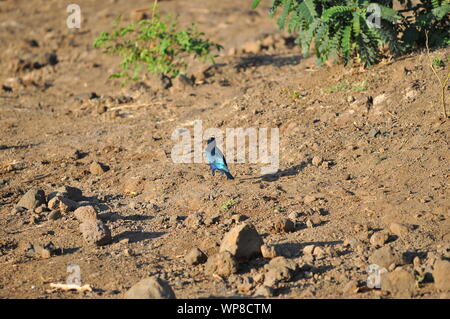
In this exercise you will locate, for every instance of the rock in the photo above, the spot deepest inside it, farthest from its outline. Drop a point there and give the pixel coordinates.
(351, 288)
(441, 275)
(379, 99)
(282, 262)
(18, 210)
(384, 257)
(98, 168)
(313, 221)
(243, 242)
(222, 264)
(133, 186)
(399, 283)
(45, 251)
(263, 291)
(279, 269)
(252, 47)
(54, 215)
(268, 251)
(69, 192)
(399, 229)
(379, 239)
(284, 225)
(308, 199)
(194, 220)
(317, 160)
(64, 205)
(32, 199)
(96, 232)
(195, 257)
(269, 41)
(86, 214)
(150, 288)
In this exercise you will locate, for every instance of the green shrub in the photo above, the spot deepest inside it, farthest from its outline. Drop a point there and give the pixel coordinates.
(156, 45)
(342, 29)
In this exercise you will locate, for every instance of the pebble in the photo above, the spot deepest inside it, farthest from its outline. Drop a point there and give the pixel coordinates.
(195, 257)
(98, 168)
(441, 275)
(86, 214)
(263, 291)
(379, 239)
(150, 288)
(243, 242)
(252, 47)
(96, 232)
(308, 199)
(54, 215)
(399, 229)
(384, 257)
(284, 225)
(351, 288)
(268, 251)
(194, 220)
(317, 160)
(32, 199)
(400, 283)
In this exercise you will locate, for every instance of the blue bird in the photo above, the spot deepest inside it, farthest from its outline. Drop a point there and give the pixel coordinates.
(216, 159)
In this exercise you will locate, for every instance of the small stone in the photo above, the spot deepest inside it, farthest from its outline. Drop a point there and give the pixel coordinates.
(263, 291)
(268, 251)
(98, 168)
(399, 229)
(308, 250)
(379, 239)
(351, 288)
(32, 199)
(243, 242)
(71, 193)
(86, 214)
(96, 232)
(308, 199)
(384, 257)
(379, 99)
(283, 262)
(194, 220)
(317, 160)
(399, 283)
(252, 47)
(318, 251)
(150, 288)
(284, 225)
(195, 257)
(137, 16)
(313, 221)
(222, 264)
(54, 215)
(441, 275)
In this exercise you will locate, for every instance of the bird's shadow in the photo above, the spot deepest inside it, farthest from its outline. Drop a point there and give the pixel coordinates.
(291, 171)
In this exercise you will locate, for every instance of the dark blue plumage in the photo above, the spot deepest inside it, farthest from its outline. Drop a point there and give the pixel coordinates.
(216, 159)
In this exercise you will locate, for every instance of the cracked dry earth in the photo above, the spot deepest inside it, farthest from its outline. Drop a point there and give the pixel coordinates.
(363, 163)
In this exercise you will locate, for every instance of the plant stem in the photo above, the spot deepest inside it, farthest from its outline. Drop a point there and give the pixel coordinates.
(442, 82)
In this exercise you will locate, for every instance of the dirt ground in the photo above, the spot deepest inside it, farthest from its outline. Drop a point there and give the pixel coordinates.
(377, 137)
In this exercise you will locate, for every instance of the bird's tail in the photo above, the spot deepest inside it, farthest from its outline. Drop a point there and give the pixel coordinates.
(229, 176)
